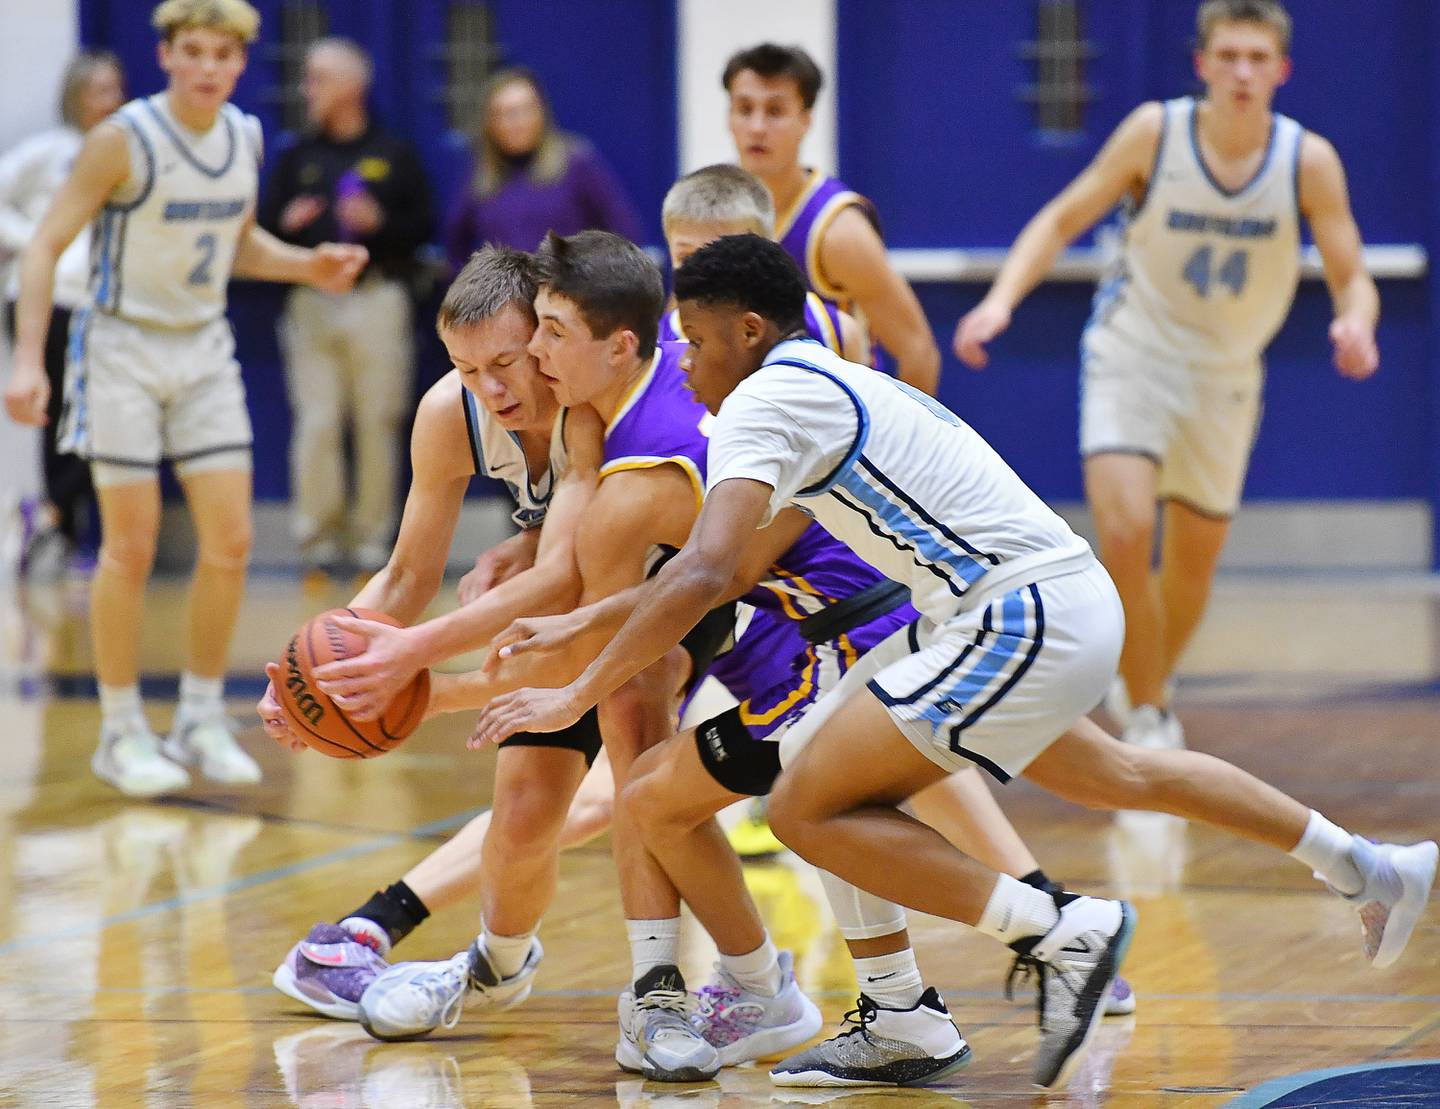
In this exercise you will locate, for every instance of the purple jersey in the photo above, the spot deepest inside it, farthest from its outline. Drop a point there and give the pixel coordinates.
(802, 229)
(660, 422)
(822, 323)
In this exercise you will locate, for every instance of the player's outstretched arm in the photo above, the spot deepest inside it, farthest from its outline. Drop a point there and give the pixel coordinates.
(364, 684)
(331, 267)
(1325, 203)
(441, 468)
(440, 464)
(529, 649)
(853, 258)
(102, 164)
(1122, 166)
(685, 589)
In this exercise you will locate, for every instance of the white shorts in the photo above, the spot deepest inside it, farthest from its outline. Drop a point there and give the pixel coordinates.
(995, 686)
(1198, 424)
(135, 395)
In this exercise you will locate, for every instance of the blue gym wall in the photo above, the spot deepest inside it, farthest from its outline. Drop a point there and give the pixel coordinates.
(932, 127)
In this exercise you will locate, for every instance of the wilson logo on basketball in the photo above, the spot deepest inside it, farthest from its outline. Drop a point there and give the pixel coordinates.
(305, 703)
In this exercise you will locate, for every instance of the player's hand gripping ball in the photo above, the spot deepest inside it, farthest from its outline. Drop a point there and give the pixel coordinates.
(318, 720)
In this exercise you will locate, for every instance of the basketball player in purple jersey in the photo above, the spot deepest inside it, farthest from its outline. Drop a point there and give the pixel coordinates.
(832, 232)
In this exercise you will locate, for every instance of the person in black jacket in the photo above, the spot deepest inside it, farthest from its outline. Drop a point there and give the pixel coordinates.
(348, 357)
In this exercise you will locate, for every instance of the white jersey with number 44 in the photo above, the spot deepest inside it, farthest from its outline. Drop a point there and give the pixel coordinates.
(164, 244)
(1207, 274)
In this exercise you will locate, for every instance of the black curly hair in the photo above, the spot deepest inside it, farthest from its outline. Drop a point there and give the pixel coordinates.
(611, 280)
(746, 272)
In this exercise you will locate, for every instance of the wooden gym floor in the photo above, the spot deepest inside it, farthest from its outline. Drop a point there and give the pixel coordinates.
(137, 940)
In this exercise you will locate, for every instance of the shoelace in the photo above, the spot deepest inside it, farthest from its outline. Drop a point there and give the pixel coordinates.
(670, 1001)
(445, 982)
(1026, 967)
(862, 1017)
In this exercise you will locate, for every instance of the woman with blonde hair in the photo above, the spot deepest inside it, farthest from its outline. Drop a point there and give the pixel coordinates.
(530, 177)
(31, 173)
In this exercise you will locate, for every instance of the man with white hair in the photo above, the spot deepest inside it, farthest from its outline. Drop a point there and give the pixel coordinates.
(350, 356)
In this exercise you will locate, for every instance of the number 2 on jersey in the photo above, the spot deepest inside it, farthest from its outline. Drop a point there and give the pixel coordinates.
(1232, 274)
(200, 275)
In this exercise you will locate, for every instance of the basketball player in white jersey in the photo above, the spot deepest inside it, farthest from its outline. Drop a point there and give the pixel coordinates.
(170, 181)
(1019, 635)
(492, 415)
(1213, 192)
(831, 231)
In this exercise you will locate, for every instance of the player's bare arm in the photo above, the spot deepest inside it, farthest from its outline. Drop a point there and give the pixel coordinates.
(101, 166)
(687, 587)
(1122, 167)
(536, 641)
(500, 563)
(1325, 204)
(441, 471)
(852, 258)
(631, 512)
(331, 267)
(364, 684)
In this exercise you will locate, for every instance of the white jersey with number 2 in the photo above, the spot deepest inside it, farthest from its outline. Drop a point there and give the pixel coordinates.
(164, 244)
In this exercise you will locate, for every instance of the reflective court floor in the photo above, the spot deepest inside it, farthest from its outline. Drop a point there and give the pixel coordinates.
(137, 940)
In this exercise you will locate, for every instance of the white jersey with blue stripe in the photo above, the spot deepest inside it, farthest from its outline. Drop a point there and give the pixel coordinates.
(1207, 274)
(891, 473)
(164, 243)
(497, 454)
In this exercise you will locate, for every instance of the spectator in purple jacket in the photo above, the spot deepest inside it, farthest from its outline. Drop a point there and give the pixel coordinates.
(530, 177)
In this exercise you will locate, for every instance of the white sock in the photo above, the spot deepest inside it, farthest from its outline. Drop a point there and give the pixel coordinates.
(1325, 849)
(120, 705)
(653, 943)
(507, 953)
(891, 981)
(758, 971)
(363, 926)
(1016, 911)
(200, 698)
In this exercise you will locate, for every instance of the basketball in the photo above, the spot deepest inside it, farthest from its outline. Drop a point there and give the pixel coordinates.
(320, 722)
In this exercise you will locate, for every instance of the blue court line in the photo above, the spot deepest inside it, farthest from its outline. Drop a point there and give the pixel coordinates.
(1277, 1088)
(225, 889)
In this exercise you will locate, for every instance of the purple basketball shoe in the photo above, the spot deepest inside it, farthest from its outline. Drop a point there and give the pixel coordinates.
(328, 970)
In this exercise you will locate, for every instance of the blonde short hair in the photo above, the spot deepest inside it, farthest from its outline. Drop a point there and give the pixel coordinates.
(233, 16)
(720, 194)
(1267, 13)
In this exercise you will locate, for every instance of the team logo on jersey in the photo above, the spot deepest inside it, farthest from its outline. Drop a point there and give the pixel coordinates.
(373, 168)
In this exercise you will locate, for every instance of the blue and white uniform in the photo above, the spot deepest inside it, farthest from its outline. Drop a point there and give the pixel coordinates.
(776, 674)
(1020, 627)
(1172, 354)
(497, 454)
(152, 372)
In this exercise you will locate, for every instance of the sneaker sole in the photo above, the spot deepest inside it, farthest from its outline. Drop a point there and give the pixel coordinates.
(1121, 947)
(679, 1074)
(1411, 906)
(774, 1041)
(340, 1009)
(820, 1078)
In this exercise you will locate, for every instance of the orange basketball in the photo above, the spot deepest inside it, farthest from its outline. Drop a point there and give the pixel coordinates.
(318, 720)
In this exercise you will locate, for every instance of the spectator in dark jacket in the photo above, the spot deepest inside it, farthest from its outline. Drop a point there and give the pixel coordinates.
(531, 178)
(349, 358)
